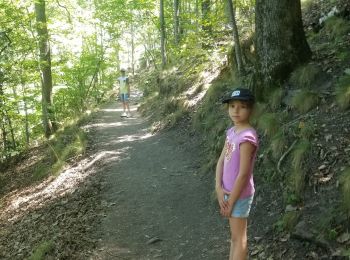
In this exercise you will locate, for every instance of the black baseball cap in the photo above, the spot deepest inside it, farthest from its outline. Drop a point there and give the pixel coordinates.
(243, 94)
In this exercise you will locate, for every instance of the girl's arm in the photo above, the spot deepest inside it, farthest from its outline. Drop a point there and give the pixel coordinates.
(218, 179)
(246, 152)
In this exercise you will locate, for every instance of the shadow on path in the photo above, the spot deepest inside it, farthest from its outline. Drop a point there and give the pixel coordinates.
(156, 205)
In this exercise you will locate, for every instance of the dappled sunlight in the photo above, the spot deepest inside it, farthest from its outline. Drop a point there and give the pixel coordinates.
(17, 203)
(131, 138)
(111, 250)
(106, 125)
(132, 109)
(206, 79)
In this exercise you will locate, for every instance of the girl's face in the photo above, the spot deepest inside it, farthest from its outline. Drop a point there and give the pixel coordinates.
(239, 112)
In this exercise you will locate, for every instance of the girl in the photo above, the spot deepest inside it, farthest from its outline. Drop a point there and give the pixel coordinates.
(234, 170)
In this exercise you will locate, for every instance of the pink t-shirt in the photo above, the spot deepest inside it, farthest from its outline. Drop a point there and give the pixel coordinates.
(232, 156)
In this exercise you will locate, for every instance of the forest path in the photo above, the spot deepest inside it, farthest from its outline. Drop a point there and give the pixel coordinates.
(156, 204)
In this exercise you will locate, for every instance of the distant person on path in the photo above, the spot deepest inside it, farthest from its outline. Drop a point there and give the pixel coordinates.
(124, 92)
(234, 170)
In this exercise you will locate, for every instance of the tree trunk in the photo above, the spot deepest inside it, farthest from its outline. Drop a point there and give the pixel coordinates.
(205, 15)
(176, 21)
(162, 33)
(132, 49)
(4, 145)
(280, 39)
(238, 50)
(45, 67)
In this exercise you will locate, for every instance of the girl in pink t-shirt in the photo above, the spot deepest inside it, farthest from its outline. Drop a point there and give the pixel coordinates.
(234, 170)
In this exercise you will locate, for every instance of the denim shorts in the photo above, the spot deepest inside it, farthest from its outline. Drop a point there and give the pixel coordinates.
(242, 207)
(124, 97)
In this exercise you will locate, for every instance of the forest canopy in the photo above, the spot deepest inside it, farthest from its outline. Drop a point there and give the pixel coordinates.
(61, 58)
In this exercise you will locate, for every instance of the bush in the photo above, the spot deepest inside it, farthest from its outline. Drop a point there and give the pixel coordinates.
(336, 27)
(305, 76)
(345, 181)
(269, 123)
(343, 92)
(305, 100)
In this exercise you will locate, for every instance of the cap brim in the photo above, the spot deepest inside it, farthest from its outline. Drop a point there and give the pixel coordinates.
(227, 100)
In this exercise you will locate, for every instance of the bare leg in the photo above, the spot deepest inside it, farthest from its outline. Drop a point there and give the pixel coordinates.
(239, 248)
(128, 107)
(124, 106)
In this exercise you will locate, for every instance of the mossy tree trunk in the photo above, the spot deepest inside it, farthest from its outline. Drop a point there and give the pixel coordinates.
(45, 67)
(280, 39)
(206, 6)
(177, 21)
(162, 32)
(238, 50)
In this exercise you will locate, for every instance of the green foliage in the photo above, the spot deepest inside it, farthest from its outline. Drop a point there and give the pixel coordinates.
(330, 223)
(258, 111)
(278, 143)
(65, 145)
(297, 184)
(269, 123)
(337, 27)
(343, 91)
(41, 250)
(288, 221)
(276, 97)
(345, 184)
(307, 5)
(307, 130)
(305, 100)
(305, 76)
(343, 56)
(300, 153)
(291, 198)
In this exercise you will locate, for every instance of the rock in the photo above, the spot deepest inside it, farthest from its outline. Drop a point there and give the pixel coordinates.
(322, 167)
(257, 239)
(290, 208)
(153, 240)
(285, 238)
(328, 137)
(345, 237)
(302, 231)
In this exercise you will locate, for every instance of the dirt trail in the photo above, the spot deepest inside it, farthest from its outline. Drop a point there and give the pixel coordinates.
(157, 205)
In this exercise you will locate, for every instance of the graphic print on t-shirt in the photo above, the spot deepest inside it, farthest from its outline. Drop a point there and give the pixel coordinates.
(230, 147)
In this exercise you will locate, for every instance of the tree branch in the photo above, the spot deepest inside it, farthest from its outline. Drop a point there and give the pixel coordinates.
(69, 15)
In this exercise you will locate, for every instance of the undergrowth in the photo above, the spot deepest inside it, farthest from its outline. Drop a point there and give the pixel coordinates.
(65, 145)
(41, 250)
(343, 91)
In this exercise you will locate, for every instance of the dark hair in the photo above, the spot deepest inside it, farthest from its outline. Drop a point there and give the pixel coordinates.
(248, 103)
